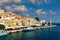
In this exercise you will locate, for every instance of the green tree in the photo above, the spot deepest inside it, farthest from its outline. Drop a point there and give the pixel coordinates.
(37, 19)
(2, 26)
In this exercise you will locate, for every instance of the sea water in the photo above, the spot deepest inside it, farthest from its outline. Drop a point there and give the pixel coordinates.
(41, 34)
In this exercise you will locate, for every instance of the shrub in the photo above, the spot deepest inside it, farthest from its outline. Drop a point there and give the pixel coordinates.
(2, 26)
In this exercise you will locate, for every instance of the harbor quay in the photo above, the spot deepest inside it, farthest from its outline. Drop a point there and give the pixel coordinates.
(28, 28)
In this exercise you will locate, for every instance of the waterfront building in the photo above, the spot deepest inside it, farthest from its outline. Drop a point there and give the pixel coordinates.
(7, 23)
(11, 20)
(25, 21)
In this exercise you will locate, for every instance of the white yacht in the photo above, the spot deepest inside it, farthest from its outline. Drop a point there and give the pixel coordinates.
(2, 33)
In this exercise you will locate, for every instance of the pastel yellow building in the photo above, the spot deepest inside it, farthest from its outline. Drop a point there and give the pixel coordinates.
(12, 20)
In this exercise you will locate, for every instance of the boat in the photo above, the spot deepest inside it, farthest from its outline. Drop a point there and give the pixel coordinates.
(3, 32)
(29, 29)
(50, 24)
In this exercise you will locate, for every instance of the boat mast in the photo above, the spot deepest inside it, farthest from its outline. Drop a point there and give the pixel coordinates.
(50, 22)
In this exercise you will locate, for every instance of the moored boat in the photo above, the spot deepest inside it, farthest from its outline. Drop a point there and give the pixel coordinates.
(29, 29)
(3, 32)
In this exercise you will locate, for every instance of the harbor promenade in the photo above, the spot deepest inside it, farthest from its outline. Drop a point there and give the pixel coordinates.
(35, 28)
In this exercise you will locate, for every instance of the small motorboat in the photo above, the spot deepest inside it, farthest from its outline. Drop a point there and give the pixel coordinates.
(29, 29)
(3, 32)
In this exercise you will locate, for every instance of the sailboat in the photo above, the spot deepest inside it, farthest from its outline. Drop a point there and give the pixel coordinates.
(50, 25)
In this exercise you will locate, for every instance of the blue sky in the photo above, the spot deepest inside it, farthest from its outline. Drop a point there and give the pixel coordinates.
(44, 9)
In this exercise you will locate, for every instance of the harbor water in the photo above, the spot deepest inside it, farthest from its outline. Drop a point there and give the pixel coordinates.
(41, 34)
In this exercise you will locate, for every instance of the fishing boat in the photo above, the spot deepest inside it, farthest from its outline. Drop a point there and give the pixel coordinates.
(2, 33)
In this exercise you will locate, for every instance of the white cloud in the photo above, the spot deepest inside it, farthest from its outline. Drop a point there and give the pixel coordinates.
(44, 12)
(52, 12)
(9, 8)
(9, 1)
(20, 8)
(19, 1)
(27, 14)
(12, 8)
(47, 1)
(34, 1)
(16, 1)
(39, 11)
(39, 1)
